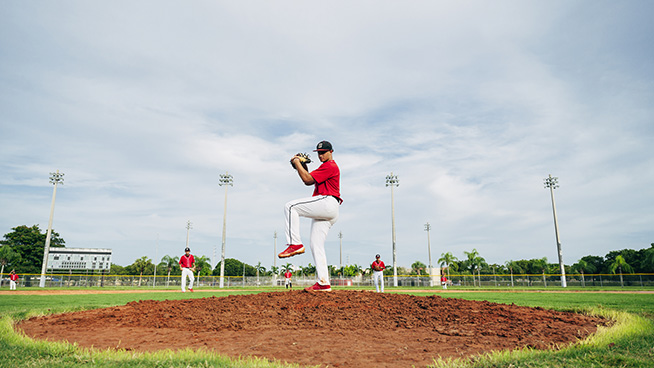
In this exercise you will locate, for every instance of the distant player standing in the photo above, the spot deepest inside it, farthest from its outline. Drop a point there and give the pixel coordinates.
(288, 275)
(13, 280)
(321, 208)
(187, 264)
(378, 268)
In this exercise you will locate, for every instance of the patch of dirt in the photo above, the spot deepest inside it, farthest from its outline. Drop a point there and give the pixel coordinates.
(339, 329)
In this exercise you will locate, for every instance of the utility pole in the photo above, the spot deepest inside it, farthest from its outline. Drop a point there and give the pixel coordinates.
(189, 226)
(393, 181)
(553, 183)
(226, 180)
(340, 237)
(427, 228)
(55, 178)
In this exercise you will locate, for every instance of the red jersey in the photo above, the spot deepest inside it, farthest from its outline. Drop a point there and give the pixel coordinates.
(186, 262)
(328, 180)
(13, 277)
(380, 264)
(288, 274)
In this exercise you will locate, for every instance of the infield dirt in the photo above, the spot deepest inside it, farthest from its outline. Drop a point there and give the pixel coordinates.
(337, 329)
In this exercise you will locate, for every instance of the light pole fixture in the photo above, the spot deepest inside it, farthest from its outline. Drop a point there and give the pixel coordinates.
(393, 181)
(226, 180)
(553, 183)
(427, 228)
(55, 178)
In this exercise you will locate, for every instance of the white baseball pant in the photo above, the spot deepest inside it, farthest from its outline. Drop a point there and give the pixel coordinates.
(378, 278)
(12, 285)
(323, 212)
(186, 272)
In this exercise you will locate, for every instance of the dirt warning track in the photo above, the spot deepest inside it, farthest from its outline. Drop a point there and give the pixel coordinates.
(341, 328)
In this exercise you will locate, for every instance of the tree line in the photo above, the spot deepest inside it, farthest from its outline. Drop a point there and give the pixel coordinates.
(22, 250)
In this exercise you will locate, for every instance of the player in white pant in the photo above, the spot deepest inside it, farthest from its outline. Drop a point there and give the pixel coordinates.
(378, 268)
(187, 264)
(322, 208)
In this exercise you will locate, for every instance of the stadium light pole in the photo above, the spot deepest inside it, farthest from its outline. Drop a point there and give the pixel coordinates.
(225, 181)
(340, 237)
(393, 181)
(427, 228)
(189, 226)
(553, 183)
(55, 178)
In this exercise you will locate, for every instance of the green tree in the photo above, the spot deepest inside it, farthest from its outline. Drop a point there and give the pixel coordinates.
(234, 267)
(141, 265)
(29, 243)
(203, 265)
(648, 259)
(620, 264)
(7, 258)
(475, 262)
(169, 263)
(541, 265)
(513, 266)
(117, 270)
(447, 259)
(417, 267)
(309, 269)
(582, 267)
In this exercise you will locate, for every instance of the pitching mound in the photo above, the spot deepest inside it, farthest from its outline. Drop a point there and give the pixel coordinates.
(341, 328)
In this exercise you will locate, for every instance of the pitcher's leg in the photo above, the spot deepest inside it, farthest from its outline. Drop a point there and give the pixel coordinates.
(183, 279)
(319, 230)
(292, 218)
(191, 278)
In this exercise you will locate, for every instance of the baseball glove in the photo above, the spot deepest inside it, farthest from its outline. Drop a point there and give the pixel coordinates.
(304, 160)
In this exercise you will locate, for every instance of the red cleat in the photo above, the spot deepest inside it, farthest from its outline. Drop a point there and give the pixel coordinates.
(291, 251)
(191, 290)
(318, 287)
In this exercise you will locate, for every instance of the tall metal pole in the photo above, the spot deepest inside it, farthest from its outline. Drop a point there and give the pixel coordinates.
(427, 228)
(55, 178)
(552, 183)
(340, 237)
(393, 181)
(225, 180)
(189, 226)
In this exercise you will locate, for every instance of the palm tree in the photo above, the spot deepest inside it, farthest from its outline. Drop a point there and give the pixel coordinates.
(620, 264)
(447, 259)
(513, 265)
(140, 265)
(471, 261)
(582, 266)
(203, 263)
(541, 264)
(169, 262)
(260, 269)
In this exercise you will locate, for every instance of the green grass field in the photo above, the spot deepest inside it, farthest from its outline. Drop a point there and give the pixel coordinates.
(628, 343)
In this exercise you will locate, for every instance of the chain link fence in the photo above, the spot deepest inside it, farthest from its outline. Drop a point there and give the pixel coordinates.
(464, 281)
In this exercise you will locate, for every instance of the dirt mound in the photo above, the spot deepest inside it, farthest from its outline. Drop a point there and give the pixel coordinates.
(341, 328)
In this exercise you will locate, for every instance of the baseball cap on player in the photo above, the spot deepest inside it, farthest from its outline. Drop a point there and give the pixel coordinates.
(323, 146)
(187, 250)
(377, 256)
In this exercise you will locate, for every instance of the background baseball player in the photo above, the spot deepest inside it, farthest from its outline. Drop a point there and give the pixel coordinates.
(321, 208)
(288, 275)
(187, 264)
(378, 268)
(13, 280)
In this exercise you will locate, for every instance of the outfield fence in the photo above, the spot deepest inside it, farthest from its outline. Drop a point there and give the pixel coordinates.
(67, 280)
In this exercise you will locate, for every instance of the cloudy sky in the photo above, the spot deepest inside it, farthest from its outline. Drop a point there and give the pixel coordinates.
(143, 105)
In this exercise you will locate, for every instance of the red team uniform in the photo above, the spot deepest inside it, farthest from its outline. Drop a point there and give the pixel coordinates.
(186, 263)
(378, 275)
(322, 208)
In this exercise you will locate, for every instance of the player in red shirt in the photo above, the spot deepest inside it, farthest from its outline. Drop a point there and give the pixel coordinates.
(378, 268)
(13, 280)
(321, 208)
(288, 275)
(444, 281)
(187, 264)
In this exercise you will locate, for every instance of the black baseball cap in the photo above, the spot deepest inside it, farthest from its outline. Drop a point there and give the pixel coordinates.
(323, 146)
(378, 256)
(187, 250)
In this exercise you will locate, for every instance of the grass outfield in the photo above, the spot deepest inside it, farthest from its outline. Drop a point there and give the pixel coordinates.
(629, 343)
